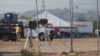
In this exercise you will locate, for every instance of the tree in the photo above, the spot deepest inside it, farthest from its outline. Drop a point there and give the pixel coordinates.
(25, 17)
(81, 19)
(22, 17)
(95, 24)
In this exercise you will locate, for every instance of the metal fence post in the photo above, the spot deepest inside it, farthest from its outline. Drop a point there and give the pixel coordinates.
(71, 23)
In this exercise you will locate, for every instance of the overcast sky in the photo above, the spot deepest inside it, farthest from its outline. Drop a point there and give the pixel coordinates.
(24, 5)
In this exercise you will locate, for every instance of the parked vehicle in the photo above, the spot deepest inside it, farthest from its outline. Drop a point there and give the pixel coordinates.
(8, 31)
(8, 27)
(41, 33)
(39, 29)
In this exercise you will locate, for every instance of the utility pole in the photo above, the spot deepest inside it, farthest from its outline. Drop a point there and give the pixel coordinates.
(98, 27)
(37, 25)
(71, 23)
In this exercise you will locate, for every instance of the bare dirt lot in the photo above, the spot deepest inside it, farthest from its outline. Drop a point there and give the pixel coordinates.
(56, 46)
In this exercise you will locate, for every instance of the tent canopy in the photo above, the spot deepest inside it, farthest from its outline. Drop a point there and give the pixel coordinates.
(55, 21)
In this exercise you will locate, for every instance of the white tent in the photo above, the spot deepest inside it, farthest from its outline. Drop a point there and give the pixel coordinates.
(55, 21)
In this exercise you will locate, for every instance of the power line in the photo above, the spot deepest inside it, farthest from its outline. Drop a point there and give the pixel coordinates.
(73, 2)
(82, 9)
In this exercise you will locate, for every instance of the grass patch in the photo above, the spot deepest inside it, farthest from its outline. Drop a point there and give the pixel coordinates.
(30, 53)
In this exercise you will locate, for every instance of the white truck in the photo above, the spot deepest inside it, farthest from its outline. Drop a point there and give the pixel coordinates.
(40, 32)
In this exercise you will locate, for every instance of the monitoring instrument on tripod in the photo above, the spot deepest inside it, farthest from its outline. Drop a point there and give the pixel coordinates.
(40, 33)
(44, 23)
(32, 26)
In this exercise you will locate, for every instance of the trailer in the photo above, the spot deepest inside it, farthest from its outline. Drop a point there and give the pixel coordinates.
(8, 31)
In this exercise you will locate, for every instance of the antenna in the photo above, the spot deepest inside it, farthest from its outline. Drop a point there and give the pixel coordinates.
(42, 7)
(43, 4)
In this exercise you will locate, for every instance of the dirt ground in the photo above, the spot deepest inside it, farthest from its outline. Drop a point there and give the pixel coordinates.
(56, 46)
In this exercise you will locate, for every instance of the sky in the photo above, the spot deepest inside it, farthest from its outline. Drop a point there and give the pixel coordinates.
(24, 5)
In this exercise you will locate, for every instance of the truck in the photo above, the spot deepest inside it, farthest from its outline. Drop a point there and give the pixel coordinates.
(8, 27)
(41, 31)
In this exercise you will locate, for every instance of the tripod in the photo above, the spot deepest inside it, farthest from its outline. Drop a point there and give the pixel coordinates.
(47, 39)
(29, 39)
